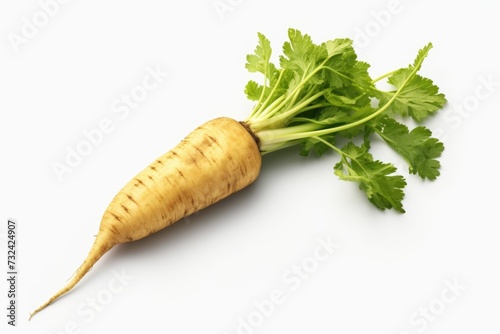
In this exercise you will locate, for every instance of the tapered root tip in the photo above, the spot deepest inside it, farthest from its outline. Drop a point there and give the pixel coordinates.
(53, 298)
(97, 251)
(40, 308)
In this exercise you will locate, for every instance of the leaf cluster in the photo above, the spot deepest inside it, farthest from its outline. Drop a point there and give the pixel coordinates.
(321, 93)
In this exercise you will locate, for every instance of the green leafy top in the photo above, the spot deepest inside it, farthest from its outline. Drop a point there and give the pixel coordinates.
(321, 93)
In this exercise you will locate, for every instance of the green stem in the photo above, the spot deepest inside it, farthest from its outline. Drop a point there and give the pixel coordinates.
(311, 130)
(269, 122)
(292, 95)
(263, 114)
(262, 106)
(384, 76)
(343, 157)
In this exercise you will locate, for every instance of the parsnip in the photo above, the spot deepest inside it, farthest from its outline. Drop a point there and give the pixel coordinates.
(215, 160)
(320, 95)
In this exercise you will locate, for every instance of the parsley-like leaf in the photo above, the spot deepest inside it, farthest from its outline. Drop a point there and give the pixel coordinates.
(417, 146)
(253, 90)
(416, 96)
(374, 177)
(317, 146)
(322, 94)
(259, 61)
(300, 52)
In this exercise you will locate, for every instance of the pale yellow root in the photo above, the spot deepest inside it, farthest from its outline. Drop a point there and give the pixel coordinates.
(212, 162)
(99, 248)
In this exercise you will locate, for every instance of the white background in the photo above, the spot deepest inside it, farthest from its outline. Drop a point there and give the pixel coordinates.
(390, 273)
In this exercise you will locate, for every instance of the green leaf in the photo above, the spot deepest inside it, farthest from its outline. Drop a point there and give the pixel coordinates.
(357, 115)
(374, 177)
(259, 61)
(318, 147)
(300, 53)
(361, 78)
(417, 146)
(422, 54)
(322, 94)
(337, 46)
(333, 115)
(253, 90)
(339, 100)
(418, 98)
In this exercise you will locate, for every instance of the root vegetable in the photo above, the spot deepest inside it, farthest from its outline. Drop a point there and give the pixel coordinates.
(212, 162)
(320, 93)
